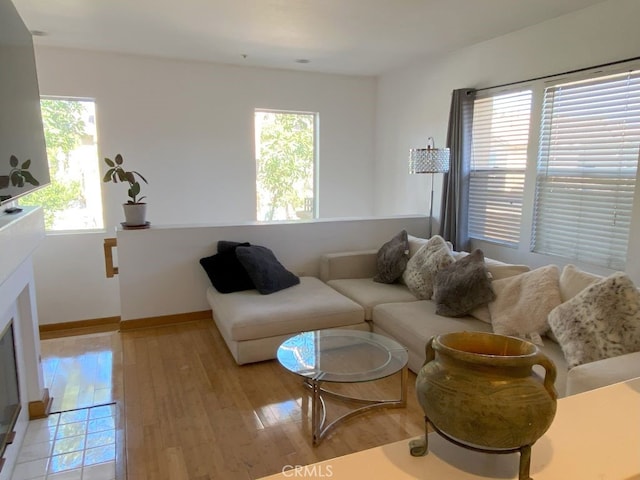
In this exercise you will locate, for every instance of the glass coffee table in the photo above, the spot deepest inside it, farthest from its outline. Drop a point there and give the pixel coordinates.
(343, 356)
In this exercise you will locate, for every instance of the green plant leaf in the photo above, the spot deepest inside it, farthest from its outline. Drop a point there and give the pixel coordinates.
(26, 164)
(13, 161)
(119, 159)
(130, 178)
(122, 176)
(16, 179)
(138, 173)
(30, 178)
(135, 188)
(108, 177)
(109, 162)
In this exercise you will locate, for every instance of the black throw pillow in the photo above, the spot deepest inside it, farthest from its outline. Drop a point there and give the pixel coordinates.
(224, 245)
(264, 269)
(224, 270)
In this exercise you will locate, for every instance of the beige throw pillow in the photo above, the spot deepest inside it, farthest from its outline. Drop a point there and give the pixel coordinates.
(573, 281)
(523, 303)
(497, 271)
(424, 265)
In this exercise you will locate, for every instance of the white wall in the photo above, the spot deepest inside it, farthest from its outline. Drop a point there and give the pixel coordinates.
(413, 103)
(160, 273)
(188, 128)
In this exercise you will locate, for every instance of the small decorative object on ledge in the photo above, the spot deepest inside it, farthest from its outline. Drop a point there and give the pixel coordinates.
(126, 226)
(135, 210)
(478, 391)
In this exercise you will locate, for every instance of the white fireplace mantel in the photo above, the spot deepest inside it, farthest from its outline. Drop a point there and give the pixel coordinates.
(20, 235)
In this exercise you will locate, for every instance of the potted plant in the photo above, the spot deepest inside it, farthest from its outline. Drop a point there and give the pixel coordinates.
(135, 209)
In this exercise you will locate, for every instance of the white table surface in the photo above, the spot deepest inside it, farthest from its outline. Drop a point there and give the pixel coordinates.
(595, 435)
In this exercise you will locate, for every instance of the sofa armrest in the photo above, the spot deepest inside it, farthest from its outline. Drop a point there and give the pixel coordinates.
(358, 264)
(603, 372)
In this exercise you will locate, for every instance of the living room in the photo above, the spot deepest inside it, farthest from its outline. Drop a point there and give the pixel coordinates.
(163, 114)
(368, 125)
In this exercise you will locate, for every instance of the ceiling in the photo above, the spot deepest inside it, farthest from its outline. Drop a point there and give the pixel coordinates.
(355, 37)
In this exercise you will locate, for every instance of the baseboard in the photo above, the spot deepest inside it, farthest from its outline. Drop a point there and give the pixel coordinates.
(159, 321)
(112, 324)
(80, 327)
(41, 408)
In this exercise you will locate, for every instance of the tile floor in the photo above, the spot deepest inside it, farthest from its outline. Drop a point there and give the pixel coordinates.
(74, 445)
(78, 440)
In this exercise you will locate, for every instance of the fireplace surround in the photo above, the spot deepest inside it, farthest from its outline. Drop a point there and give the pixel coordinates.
(9, 389)
(20, 235)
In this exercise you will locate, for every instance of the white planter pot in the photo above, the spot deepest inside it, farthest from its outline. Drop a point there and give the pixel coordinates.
(135, 214)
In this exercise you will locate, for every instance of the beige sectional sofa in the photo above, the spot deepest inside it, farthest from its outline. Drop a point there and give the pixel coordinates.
(254, 325)
(345, 296)
(392, 310)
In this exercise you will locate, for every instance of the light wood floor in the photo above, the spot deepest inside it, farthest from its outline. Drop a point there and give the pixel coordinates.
(83, 371)
(191, 413)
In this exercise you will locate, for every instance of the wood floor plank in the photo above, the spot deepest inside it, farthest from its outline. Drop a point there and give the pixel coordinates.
(190, 411)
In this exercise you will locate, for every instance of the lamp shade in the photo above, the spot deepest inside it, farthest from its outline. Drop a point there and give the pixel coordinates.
(428, 160)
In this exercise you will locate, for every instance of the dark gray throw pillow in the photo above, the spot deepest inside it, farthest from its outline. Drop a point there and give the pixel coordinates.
(224, 270)
(224, 245)
(463, 286)
(266, 272)
(392, 259)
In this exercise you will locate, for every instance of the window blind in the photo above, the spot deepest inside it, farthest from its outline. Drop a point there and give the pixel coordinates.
(586, 174)
(500, 136)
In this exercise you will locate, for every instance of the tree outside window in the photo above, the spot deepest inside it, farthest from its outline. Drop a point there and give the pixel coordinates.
(285, 165)
(72, 201)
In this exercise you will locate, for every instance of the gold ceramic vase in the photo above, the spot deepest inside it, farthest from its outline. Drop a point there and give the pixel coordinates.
(479, 390)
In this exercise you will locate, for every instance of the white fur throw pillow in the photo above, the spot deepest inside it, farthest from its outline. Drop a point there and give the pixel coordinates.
(601, 321)
(523, 303)
(423, 266)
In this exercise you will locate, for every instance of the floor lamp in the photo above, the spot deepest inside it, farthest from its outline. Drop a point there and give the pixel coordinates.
(429, 160)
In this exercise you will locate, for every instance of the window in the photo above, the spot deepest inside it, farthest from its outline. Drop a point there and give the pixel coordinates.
(500, 137)
(285, 165)
(72, 201)
(586, 173)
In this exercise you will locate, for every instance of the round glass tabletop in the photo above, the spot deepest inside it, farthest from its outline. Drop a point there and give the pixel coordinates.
(345, 356)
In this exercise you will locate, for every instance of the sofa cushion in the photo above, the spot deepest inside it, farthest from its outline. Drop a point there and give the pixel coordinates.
(415, 244)
(310, 305)
(601, 321)
(413, 324)
(368, 293)
(462, 286)
(266, 272)
(425, 264)
(524, 301)
(392, 259)
(603, 372)
(573, 281)
(225, 271)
